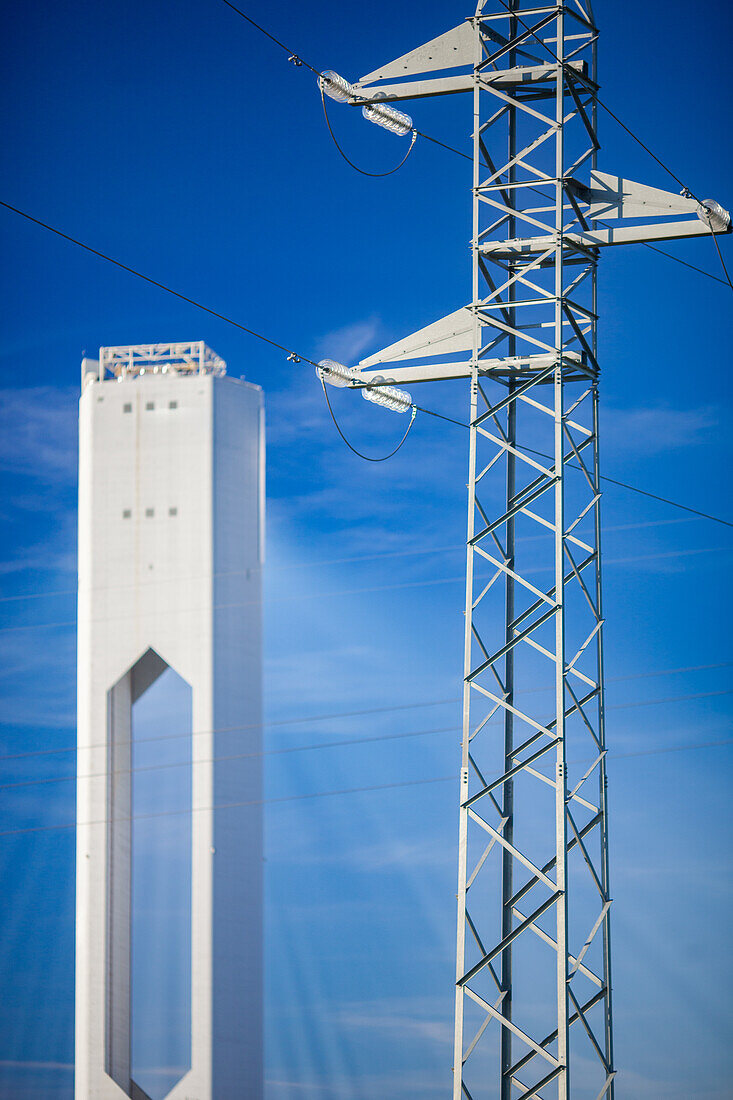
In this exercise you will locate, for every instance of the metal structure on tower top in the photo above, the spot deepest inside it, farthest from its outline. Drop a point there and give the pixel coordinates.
(134, 360)
(533, 960)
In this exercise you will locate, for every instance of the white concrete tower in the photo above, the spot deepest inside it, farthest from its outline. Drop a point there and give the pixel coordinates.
(171, 510)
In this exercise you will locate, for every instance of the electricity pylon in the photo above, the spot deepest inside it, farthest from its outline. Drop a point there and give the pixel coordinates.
(533, 944)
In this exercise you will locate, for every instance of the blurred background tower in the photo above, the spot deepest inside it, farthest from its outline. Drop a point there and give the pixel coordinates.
(169, 849)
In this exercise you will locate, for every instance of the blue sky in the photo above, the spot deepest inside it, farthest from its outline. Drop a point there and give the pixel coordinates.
(176, 139)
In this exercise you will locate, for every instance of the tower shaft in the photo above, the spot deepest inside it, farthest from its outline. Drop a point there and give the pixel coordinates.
(170, 552)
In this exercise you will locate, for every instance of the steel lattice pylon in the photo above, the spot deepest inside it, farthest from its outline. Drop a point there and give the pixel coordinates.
(534, 418)
(533, 971)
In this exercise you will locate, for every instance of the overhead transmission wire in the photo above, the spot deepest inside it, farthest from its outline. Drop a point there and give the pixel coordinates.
(717, 248)
(294, 356)
(315, 564)
(392, 709)
(432, 582)
(297, 60)
(367, 458)
(154, 282)
(678, 260)
(645, 244)
(291, 355)
(342, 743)
(515, 15)
(65, 826)
(643, 492)
(363, 171)
(287, 750)
(686, 191)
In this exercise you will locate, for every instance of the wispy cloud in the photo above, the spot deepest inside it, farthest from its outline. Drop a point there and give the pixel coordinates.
(388, 855)
(54, 555)
(648, 431)
(400, 1020)
(38, 678)
(38, 432)
(346, 344)
(393, 1083)
(9, 1064)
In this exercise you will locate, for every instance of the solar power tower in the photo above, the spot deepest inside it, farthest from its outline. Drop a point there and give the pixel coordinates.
(169, 893)
(533, 961)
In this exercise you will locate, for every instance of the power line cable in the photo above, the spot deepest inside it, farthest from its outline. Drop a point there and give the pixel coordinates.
(345, 742)
(378, 710)
(360, 454)
(717, 249)
(442, 144)
(669, 748)
(666, 500)
(363, 171)
(677, 259)
(233, 756)
(318, 563)
(369, 712)
(466, 156)
(359, 591)
(291, 355)
(294, 58)
(644, 492)
(297, 60)
(228, 806)
(516, 15)
(155, 282)
(440, 416)
(329, 794)
(294, 356)
(571, 72)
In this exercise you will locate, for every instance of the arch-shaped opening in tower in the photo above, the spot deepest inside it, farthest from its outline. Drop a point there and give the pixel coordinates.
(149, 930)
